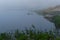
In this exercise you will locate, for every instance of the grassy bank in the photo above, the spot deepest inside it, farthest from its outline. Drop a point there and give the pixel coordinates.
(29, 34)
(56, 21)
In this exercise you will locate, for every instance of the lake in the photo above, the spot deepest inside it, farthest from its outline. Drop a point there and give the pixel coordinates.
(17, 14)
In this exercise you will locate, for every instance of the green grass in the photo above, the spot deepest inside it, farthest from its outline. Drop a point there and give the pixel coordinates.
(29, 34)
(56, 21)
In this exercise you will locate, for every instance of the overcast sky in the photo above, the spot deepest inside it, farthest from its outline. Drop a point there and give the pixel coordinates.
(28, 3)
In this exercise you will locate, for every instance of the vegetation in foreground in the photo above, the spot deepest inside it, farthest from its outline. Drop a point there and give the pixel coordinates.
(31, 34)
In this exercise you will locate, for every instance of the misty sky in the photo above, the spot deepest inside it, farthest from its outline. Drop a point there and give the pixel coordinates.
(27, 3)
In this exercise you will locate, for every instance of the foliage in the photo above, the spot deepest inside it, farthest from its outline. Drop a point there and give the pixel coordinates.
(29, 34)
(56, 20)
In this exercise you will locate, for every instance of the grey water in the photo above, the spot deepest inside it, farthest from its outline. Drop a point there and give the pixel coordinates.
(17, 14)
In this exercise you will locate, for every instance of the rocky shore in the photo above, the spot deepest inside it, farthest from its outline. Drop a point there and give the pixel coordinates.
(50, 12)
(52, 15)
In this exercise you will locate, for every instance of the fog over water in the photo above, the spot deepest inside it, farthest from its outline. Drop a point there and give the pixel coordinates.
(13, 14)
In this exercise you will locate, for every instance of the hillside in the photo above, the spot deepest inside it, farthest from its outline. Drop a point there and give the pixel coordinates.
(52, 9)
(51, 12)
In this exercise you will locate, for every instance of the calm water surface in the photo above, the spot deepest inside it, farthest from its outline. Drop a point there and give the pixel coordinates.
(14, 15)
